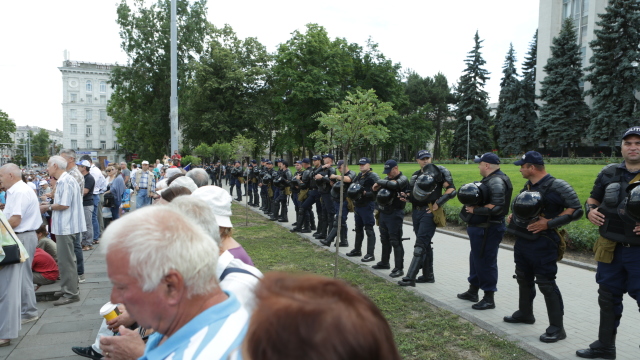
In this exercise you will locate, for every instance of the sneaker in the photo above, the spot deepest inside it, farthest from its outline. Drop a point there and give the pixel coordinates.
(26, 321)
(81, 278)
(5, 342)
(87, 352)
(368, 258)
(66, 301)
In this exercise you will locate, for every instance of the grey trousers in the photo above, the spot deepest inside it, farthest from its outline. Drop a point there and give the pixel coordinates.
(67, 265)
(10, 284)
(28, 307)
(39, 279)
(87, 236)
(100, 219)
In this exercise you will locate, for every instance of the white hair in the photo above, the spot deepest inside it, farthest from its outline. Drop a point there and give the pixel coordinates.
(185, 182)
(159, 239)
(199, 176)
(58, 161)
(199, 212)
(68, 152)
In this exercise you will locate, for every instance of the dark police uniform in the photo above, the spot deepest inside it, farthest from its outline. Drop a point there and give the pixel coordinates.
(486, 227)
(267, 188)
(363, 213)
(324, 189)
(313, 196)
(536, 255)
(391, 218)
(281, 195)
(295, 191)
(236, 174)
(335, 196)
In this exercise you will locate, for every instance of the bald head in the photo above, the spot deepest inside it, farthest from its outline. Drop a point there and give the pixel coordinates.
(9, 175)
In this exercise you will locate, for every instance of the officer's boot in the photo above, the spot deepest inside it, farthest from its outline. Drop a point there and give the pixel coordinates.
(312, 220)
(471, 294)
(486, 303)
(371, 243)
(416, 265)
(605, 346)
(553, 299)
(265, 210)
(398, 256)
(261, 206)
(231, 189)
(250, 203)
(297, 226)
(256, 199)
(297, 211)
(331, 222)
(239, 191)
(284, 216)
(357, 249)
(344, 242)
(320, 221)
(427, 268)
(275, 211)
(322, 228)
(333, 232)
(527, 291)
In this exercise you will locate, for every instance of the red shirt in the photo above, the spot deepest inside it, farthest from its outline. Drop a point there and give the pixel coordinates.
(44, 264)
(177, 156)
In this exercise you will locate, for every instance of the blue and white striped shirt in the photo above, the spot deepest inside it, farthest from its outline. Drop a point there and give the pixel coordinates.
(212, 335)
(71, 220)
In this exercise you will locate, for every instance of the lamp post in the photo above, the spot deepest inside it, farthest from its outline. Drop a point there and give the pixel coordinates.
(468, 122)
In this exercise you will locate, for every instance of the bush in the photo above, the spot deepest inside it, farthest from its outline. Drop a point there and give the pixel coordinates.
(582, 235)
(189, 159)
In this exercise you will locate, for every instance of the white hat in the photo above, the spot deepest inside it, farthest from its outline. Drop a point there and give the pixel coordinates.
(145, 162)
(43, 182)
(186, 182)
(220, 202)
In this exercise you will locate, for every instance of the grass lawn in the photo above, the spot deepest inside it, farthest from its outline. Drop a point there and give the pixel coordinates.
(421, 330)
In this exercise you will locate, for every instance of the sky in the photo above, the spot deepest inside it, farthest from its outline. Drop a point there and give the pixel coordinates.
(426, 36)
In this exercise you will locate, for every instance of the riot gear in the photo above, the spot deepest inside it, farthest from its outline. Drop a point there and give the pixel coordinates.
(266, 179)
(526, 207)
(385, 197)
(424, 186)
(471, 194)
(335, 190)
(632, 203)
(355, 192)
(279, 182)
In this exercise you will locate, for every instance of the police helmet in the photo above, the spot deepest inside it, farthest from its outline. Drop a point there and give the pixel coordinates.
(470, 194)
(385, 197)
(424, 186)
(335, 190)
(632, 206)
(526, 207)
(355, 192)
(279, 182)
(266, 179)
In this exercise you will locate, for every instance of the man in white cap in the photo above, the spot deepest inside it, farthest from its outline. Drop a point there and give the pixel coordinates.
(144, 182)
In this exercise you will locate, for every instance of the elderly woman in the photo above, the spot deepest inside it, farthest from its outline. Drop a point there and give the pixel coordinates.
(220, 202)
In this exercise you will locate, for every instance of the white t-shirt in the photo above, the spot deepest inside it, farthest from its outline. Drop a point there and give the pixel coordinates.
(31, 185)
(242, 285)
(22, 200)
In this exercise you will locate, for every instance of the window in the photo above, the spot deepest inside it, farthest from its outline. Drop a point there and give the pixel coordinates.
(73, 114)
(103, 145)
(116, 146)
(74, 97)
(89, 131)
(103, 99)
(74, 144)
(88, 114)
(103, 86)
(89, 144)
(74, 129)
(89, 86)
(103, 114)
(583, 56)
(103, 130)
(89, 99)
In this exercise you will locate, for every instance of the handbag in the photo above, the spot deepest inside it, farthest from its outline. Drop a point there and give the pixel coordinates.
(11, 252)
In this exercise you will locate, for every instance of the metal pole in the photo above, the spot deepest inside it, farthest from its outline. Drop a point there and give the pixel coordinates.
(468, 141)
(173, 114)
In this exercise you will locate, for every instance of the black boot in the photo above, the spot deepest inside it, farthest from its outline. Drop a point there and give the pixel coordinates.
(427, 268)
(527, 291)
(239, 191)
(263, 202)
(296, 211)
(605, 346)
(322, 228)
(553, 299)
(250, 202)
(357, 249)
(331, 222)
(231, 190)
(398, 255)
(471, 294)
(305, 221)
(344, 242)
(486, 303)
(333, 232)
(416, 265)
(256, 199)
(284, 213)
(312, 220)
(275, 211)
(371, 241)
(297, 226)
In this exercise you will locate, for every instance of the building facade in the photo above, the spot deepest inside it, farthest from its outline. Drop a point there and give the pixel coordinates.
(86, 126)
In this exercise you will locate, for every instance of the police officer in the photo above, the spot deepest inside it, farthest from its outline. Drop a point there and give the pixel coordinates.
(618, 248)
(295, 189)
(282, 184)
(363, 197)
(538, 241)
(391, 209)
(309, 189)
(484, 213)
(340, 182)
(323, 180)
(227, 176)
(426, 204)
(237, 179)
(261, 185)
(267, 182)
(252, 180)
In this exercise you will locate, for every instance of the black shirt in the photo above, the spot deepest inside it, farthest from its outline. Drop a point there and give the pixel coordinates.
(89, 183)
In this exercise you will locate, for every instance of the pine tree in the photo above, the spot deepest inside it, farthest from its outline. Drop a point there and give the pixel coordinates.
(473, 101)
(509, 92)
(614, 74)
(564, 114)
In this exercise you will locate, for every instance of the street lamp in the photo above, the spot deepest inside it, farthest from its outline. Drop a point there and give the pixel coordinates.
(468, 122)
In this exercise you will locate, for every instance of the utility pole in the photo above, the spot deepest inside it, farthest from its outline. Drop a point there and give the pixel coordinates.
(173, 114)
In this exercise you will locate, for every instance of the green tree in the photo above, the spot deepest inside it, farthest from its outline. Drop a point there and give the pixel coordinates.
(222, 151)
(139, 105)
(243, 146)
(7, 127)
(203, 150)
(473, 101)
(564, 114)
(614, 74)
(509, 92)
(40, 143)
(357, 120)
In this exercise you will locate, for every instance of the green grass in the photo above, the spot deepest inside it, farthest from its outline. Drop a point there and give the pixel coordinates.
(582, 233)
(421, 331)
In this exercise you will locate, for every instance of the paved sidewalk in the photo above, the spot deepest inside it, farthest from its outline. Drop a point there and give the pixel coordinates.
(451, 267)
(61, 327)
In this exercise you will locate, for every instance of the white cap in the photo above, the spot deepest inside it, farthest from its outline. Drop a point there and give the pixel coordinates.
(43, 182)
(145, 162)
(185, 182)
(220, 202)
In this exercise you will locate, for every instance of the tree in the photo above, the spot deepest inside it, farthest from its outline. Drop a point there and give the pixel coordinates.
(40, 143)
(203, 150)
(509, 92)
(473, 101)
(139, 105)
(243, 146)
(7, 128)
(614, 74)
(357, 120)
(564, 114)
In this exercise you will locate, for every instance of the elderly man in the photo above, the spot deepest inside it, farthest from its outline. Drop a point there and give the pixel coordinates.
(126, 173)
(171, 286)
(72, 169)
(199, 177)
(87, 204)
(67, 222)
(23, 214)
(144, 182)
